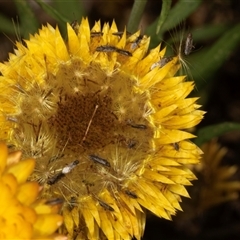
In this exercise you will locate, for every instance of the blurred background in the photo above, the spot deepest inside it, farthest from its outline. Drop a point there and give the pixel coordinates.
(215, 66)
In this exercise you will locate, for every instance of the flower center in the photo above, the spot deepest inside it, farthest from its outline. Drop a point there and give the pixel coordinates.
(89, 129)
(84, 121)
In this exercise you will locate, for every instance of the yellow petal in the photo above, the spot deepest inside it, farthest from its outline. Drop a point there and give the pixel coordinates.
(28, 192)
(47, 224)
(22, 170)
(3, 157)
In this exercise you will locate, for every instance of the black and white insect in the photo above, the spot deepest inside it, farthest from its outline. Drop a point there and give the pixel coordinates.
(136, 42)
(67, 169)
(161, 63)
(70, 167)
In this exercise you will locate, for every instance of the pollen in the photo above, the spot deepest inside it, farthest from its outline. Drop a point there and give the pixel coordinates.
(102, 124)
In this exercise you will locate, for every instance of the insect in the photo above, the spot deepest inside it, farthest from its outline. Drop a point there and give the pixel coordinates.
(119, 34)
(188, 44)
(105, 205)
(136, 42)
(70, 167)
(139, 126)
(131, 194)
(54, 201)
(123, 52)
(161, 63)
(176, 146)
(75, 26)
(55, 178)
(99, 160)
(109, 48)
(96, 34)
(131, 143)
(65, 170)
(134, 125)
(106, 48)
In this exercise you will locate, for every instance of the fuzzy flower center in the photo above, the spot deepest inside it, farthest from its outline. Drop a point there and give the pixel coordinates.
(95, 123)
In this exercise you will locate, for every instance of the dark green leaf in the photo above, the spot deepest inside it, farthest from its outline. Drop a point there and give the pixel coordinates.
(53, 12)
(181, 10)
(72, 10)
(6, 26)
(207, 133)
(136, 15)
(166, 5)
(212, 58)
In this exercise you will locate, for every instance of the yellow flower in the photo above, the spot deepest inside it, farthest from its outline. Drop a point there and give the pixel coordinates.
(215, 185)
(21, 216)
(215, 181)
(106, 122)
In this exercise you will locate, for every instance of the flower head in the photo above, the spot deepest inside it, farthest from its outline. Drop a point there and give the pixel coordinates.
(106, 122)
(216, 183)
(21, 216)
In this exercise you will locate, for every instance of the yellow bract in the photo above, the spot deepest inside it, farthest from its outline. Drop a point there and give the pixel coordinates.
(105, 121)
(217, 184)
(19, 214)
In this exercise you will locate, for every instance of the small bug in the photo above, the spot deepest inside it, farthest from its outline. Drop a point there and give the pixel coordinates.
(109, 48)
(131, 143)
(139, 126)
(99, 160)
(54, 201)
(176, 146)
(161, 63)
(123, 52)
(137, 41)
(106, 48)
(119, 34)
(105, 205)
(65, 170)
(134, 125)
(188, 44)
(70, 167)
(55, 178)
(131, 194)
(75, 26)
(96, 34)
